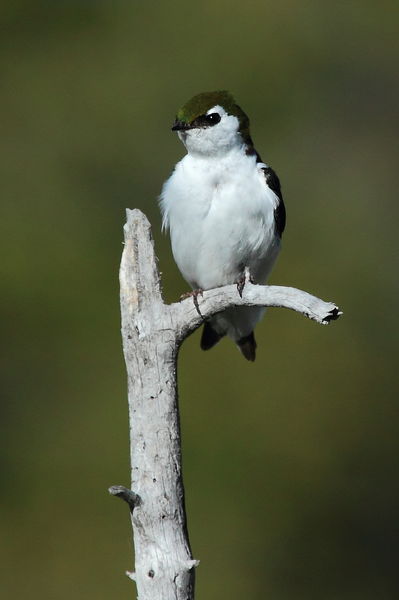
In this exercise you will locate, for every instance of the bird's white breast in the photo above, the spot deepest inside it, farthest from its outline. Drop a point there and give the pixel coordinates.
(221, 218)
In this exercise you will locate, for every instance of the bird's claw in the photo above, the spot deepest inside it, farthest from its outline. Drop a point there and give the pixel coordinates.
(194, 295)
(245, 277)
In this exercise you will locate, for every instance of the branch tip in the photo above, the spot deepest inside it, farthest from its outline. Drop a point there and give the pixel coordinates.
(190, 564)
(333, 315)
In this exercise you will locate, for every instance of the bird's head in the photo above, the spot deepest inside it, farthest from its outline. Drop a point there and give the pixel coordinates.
(212, 123)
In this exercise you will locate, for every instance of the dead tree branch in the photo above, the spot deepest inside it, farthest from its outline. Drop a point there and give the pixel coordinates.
(152, 332)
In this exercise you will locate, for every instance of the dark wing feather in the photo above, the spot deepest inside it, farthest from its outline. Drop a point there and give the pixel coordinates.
(279, 212)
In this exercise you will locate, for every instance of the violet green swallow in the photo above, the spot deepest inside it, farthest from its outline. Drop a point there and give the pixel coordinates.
(224, 209)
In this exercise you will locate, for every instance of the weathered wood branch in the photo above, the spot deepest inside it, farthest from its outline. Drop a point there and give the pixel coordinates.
(152, 333)
(125, 494)
(188, 317)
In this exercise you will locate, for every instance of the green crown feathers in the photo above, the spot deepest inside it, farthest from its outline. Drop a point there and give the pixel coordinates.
(201, 103)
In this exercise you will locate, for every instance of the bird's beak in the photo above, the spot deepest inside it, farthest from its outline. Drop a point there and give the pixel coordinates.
(180, 126)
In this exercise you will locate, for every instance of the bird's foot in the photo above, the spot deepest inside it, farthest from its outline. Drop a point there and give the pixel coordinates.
(245, 277)
(194, 295)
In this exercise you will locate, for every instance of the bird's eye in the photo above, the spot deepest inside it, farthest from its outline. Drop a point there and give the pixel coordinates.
(204, 121)
(212, 119)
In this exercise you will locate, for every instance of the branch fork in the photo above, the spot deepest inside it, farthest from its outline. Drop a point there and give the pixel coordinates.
(152, 333)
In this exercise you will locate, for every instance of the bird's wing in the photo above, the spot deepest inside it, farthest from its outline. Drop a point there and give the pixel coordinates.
(273, 182)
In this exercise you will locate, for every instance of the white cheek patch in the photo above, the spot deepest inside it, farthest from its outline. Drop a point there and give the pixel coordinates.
(218, 109)
(215, 139)
(227, 125)
(232, 123)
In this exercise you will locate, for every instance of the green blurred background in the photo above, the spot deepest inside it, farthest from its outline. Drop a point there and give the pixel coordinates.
(291, 464)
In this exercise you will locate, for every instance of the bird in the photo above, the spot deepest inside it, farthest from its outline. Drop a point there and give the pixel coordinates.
(224, 210)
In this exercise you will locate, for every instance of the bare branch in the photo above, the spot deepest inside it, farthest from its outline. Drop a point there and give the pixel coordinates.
(139, 275)
(188, 317)
(125, 494)
(151, 333)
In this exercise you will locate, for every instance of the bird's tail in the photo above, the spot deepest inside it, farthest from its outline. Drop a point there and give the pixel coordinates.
(247, 345)
(210, 338)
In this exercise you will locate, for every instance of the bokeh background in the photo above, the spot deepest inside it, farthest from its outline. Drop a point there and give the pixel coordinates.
(291, 463)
